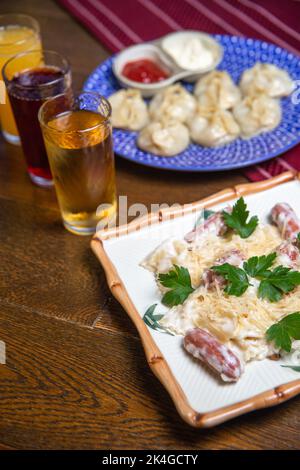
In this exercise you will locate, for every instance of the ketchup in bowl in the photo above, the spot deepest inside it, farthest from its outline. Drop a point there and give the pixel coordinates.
(144, 71)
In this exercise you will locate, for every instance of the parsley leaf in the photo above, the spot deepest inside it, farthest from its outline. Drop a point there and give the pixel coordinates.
(237, 219)
(273, 284)
(278, 282)
(178, 280)
(268, 291)
(257, 265)
(298, 238)
(284, 331)
(237, 280)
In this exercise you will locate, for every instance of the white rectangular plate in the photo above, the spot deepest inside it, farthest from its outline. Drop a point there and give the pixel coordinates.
(199, 397)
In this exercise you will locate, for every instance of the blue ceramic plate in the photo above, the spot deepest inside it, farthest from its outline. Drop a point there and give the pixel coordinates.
(239, 54)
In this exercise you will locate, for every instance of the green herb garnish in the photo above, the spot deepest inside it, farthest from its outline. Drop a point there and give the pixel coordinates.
(257, 265)
(284, 331)
(237, 219)
(278, 282)
(237, 279)
(273, 284)
(178, 280)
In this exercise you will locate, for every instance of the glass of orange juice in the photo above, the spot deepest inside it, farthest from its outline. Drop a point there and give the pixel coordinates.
(18, 33)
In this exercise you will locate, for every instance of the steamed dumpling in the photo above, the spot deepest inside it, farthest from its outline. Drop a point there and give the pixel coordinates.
(129, 111)
(164, 137)
(213, 127)
(217, 89)
(268, 79)
(174, 103)
(256, 114)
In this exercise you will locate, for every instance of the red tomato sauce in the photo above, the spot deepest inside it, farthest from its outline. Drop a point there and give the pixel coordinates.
(144, 71)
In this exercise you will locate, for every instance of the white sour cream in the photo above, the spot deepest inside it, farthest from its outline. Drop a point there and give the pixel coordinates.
(189, 52)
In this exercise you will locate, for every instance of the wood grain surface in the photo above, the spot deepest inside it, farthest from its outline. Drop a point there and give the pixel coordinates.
(67, 384)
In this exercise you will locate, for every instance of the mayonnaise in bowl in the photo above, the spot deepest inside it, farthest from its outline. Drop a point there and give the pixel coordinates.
(192, 50)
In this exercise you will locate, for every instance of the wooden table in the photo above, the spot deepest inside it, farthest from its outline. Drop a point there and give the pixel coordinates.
(76, 376)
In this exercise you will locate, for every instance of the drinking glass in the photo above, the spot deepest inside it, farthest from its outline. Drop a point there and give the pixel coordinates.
(45, 75)
(18, 33)
(78, 138)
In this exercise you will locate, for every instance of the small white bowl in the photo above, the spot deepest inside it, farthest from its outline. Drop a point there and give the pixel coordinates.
(143, 51)
(169, 41)
(154, 51)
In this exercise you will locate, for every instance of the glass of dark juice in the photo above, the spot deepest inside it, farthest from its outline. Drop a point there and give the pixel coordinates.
(45, 75)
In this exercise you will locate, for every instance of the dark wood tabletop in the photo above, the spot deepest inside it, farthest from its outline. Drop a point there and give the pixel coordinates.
(76, 375)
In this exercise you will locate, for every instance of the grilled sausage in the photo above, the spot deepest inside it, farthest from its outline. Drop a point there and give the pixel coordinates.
(208, 349)
(214, 224)
(288, 254)
(286, 220)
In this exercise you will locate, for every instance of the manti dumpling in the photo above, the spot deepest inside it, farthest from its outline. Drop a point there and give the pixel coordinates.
(129, 110)
(268, 79)
(174, 103)
(256, 114)
(217, 89)
(165, 137)
(213, 127)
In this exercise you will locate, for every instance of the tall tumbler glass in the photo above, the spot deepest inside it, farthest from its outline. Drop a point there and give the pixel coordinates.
(78, 138)
(45, 75)
(18, 33)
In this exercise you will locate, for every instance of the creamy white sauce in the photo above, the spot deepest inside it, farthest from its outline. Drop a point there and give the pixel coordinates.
(181, 318)
(292, 358)
(189, 52)
(171, 251)
(254, 283)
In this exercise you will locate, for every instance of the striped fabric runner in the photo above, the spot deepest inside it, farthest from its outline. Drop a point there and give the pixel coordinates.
(120, 23)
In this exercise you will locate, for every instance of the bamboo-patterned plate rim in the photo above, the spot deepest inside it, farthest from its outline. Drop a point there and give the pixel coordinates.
(155, 358)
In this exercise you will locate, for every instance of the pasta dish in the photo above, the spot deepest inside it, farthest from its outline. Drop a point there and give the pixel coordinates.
(229, 283)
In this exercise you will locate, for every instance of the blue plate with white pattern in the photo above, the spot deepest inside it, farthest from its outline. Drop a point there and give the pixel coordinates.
(239, 54)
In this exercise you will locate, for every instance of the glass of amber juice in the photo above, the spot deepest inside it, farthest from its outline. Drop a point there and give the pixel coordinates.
(78, 138)
(18, 33)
